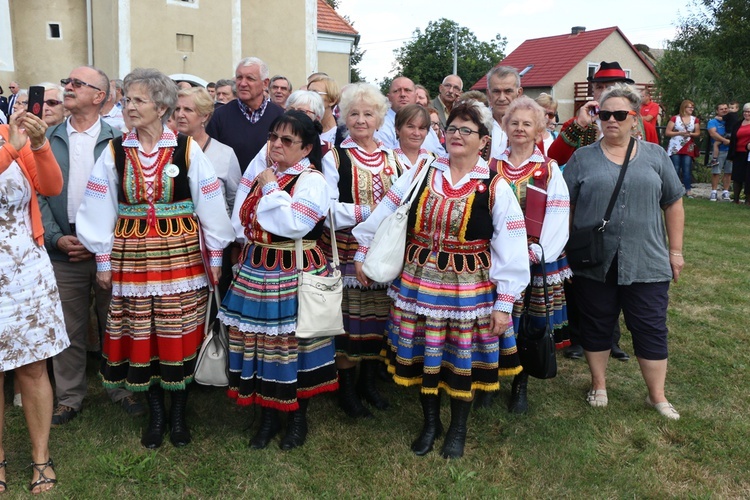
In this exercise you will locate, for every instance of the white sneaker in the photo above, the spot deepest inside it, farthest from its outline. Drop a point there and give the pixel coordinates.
(725, 196)
(713, 196)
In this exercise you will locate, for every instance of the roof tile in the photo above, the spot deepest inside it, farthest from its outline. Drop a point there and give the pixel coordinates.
(329, 21)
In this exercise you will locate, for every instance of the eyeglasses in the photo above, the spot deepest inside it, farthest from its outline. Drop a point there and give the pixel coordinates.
(78, 83)
(285, 140)
(454, 88)
(320, 93)
(137, 102)
(435, 124)
(308, 112)
(52, 102)
(550, 115)
(619, 115)
(464, 131)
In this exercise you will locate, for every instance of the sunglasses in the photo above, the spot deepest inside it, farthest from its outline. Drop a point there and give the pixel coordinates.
(78, 83)
(52, 102)
(550, 115)
(619, 115)
(285, 140)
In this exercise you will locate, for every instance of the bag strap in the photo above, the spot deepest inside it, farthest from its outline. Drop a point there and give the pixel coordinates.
(613, 198)
(208, 306)
(414, 186)
(527, 296)
(334, 247)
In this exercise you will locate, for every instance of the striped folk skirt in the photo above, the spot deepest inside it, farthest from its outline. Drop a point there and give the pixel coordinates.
(557, 272)
(268, 364)
(156, 317)
(438, 333)
(365, 310)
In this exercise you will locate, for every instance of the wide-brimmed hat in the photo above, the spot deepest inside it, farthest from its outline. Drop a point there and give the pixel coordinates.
(609, 72)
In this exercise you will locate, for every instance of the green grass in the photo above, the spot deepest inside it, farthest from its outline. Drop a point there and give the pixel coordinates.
(562, 448)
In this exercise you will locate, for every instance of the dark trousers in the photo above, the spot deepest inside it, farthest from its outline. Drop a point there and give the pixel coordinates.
(574, 316)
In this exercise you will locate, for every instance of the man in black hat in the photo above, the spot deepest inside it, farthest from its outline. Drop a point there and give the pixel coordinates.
(577, 132)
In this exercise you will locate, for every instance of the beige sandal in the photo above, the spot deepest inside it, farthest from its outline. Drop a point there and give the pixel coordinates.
(597, 398)
(665, 409)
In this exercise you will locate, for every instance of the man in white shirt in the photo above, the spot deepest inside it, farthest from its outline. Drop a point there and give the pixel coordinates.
(403, 92)
(503, 86)
(111, 112)
(76, 144)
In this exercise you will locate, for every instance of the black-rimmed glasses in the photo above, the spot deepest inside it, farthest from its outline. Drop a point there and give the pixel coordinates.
(464, 131)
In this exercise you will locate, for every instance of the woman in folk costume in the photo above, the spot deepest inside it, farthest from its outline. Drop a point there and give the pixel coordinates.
(541, 190)
(366, 172)
(275, 205)
(139, 218)
(466, 264)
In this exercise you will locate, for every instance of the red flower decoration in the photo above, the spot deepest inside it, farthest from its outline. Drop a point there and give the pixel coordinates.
(538, 173)
(388, 171)
(481, 187)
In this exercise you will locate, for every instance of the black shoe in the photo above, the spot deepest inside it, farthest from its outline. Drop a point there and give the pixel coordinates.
(484, 399)
(573, 351)
(269, 427)
(63, 414)
(618, 353)
(132, 406)
(153, 436)
(296, 430)
(366, 384)
(432, 427)
(455, 438)
(519, 403)
(179, 434)
(348, 398)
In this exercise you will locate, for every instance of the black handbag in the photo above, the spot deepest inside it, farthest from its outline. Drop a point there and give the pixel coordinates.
(585, 247)
(536, 345)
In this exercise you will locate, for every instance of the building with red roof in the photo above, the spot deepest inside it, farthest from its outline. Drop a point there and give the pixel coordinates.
(559, 65)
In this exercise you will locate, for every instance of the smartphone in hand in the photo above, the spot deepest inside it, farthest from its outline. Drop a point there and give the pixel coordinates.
(36, 100)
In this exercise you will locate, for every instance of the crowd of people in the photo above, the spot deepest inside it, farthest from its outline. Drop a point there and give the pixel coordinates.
(141, 194)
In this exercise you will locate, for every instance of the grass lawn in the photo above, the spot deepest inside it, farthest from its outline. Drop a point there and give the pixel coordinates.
(562, 448)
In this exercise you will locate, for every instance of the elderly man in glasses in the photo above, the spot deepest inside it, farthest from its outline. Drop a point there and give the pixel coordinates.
(77, 143)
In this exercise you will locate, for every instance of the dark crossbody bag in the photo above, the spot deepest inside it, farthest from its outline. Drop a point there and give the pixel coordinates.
(585, 247)
(536, 345)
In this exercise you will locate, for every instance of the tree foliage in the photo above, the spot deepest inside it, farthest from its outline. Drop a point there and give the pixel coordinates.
(707, 60)
(428, 57)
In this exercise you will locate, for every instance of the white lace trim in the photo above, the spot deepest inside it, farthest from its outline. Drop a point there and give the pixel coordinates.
(152, 289)
(439, 313)
(265, 330)
(351, 282)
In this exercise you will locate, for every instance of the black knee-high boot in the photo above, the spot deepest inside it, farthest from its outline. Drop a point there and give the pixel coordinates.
(348, 398)
(296, 429)
(519, 404)
(432, 427)
(269, 427)
(179, 433)
(368, 369)
(157, 422)
(455, 438)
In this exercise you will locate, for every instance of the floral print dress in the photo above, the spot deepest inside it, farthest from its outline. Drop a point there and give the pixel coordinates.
(31, 319)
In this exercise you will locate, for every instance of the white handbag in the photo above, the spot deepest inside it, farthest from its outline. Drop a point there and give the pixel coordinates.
(212, 367)
(385, 258)
(319, 297)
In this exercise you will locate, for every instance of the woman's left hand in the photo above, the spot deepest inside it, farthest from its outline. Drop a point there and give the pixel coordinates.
(499, 322)
(361, 276)
(216, 274)
(35, 129)
(677, 262)
(266, 176)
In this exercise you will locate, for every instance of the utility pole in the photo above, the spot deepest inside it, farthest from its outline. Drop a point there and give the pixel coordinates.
(455, 51)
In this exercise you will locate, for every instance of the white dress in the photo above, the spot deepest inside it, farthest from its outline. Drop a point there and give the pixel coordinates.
(32, 327)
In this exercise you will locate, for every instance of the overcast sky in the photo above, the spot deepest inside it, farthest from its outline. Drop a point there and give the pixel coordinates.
(385, 25)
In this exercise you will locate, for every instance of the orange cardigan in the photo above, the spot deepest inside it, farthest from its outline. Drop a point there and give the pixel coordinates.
(41, 170)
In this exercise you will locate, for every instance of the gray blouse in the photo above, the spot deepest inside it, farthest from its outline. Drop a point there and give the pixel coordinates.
(636, 233)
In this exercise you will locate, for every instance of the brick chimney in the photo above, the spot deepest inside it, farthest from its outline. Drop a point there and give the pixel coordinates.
(577, 29)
